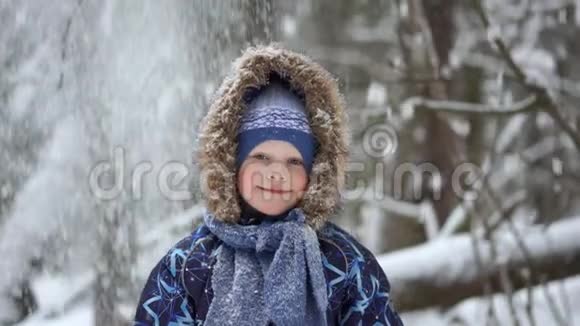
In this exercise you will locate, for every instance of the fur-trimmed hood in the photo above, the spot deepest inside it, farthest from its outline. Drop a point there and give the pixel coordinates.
(328, 120)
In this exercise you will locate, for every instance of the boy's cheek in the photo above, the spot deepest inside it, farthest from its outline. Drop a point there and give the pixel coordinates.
(301, 184)
(245, 186)
(300, 194)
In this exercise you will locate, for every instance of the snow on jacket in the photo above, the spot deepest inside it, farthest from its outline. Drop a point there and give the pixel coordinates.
(178, 290)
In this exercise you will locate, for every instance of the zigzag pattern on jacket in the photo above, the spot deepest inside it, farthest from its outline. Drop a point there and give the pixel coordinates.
(178, 291)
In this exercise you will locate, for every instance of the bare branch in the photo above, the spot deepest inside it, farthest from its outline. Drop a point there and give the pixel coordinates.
(545, 101)
(493, 65)
(379, 71)
(523, 106)
(393, 205)
(527, 254)
(482, 267)
(508, 288)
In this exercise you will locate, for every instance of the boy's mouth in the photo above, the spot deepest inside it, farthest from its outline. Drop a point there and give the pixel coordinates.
(274, 190)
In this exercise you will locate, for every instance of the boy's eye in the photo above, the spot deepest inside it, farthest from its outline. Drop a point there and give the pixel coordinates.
(295, 161)
(260, 156)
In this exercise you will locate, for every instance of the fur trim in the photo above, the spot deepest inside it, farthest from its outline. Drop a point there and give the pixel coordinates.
(328, 120)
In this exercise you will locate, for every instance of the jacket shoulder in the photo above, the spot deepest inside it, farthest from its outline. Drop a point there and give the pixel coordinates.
(348, 262)
(336, 241)
(362, 280)
(191, 254)
(165, 299)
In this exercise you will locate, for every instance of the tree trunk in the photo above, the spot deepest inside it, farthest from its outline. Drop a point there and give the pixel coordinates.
(432, 21)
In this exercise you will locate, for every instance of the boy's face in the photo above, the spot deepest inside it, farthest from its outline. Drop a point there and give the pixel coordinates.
(272, 178)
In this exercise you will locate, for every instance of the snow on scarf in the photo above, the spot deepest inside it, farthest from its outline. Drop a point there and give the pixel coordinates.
(270, 272)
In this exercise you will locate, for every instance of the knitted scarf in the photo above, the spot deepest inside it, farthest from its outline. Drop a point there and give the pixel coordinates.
(269, 272)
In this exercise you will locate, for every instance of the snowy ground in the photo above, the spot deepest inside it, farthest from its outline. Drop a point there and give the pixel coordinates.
(552, 311)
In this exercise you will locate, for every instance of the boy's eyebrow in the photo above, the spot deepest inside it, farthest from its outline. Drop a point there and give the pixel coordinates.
(256, 153)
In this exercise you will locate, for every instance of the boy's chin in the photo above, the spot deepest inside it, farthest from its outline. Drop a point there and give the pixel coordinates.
(273, 210)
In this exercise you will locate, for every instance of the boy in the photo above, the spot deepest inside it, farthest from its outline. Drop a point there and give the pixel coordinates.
(273, 150)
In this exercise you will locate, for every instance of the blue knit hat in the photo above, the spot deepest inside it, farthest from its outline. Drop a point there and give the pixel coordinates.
(275, 112)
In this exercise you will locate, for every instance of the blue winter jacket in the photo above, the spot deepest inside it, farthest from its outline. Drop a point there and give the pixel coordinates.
(178, 290)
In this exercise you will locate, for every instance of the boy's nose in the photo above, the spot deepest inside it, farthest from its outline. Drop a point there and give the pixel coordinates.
(276, 176)
(277, 172)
